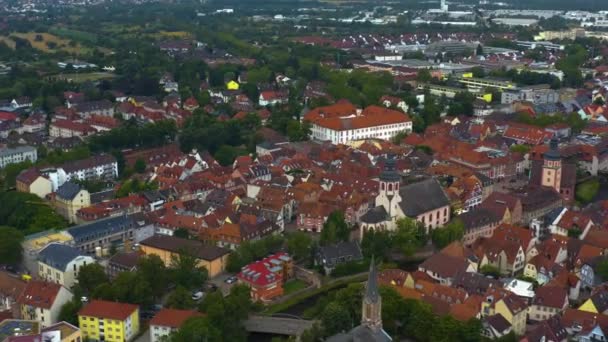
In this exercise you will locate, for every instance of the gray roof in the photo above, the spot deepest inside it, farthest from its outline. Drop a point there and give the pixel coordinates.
(101, 228)
(341, 251)
(58, 255)
(375, 215)
(361, 334)
(422, 197)
(68, 190)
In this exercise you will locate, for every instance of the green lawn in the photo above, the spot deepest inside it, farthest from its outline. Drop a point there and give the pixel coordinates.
(586, 191)
(293, 285)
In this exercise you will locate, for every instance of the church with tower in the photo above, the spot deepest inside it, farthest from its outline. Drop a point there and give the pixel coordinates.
(556, 172)
(424, 201)
(370, 329)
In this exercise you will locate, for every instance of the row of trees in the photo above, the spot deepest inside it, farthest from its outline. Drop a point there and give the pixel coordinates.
(409, 236)
(340, 311)
(144, 286)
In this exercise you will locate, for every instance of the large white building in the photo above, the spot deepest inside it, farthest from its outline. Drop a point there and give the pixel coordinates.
(342, 123)
(17, 155)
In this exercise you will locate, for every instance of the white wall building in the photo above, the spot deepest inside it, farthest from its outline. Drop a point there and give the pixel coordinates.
(373, 122)
(17, 155)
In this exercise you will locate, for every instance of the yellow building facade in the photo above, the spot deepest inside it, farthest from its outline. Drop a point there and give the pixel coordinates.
(109, 321)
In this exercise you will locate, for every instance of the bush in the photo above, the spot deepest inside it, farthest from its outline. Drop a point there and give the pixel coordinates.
(350, 268)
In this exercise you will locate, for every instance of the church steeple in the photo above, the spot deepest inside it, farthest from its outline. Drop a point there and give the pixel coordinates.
(371, 314)
(389, 177)
(552, 167)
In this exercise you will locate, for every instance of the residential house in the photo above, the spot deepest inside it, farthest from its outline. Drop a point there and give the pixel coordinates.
(99, 236)
(108, 321)
(443, 268)
(551, 329)
(589, 277)
(213, 258)
(11, 287)
(33, 182)
(395, 102)
(266, 277)
(330, 256)
(495, 327)
(542, 268)
(478, 223)
(168, 321)
(505, 206)
(122, 262)
(99, 167)
(597, 303)
(547, 302)
(17, 155)
(42, 301)
(507, 256)
(69, 198)
(21, 102)
(87, 109)
(510, 306)
(59, 263)
(67, 129)
(571, 224)
(272, 98)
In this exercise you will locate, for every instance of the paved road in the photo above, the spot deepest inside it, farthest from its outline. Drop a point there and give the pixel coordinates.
(145, 337)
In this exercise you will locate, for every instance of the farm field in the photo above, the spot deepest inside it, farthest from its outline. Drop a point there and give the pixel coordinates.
(46, 42)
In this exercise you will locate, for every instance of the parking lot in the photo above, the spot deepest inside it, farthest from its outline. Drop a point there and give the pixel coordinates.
(220, 282)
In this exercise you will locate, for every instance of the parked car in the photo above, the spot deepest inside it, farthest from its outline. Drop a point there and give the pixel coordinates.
(198, 295)
(231, 280)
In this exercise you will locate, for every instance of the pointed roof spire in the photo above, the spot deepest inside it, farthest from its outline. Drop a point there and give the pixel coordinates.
(371, 289)
(553, 152)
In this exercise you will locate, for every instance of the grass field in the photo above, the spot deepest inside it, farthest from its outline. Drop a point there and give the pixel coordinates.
(174, 34)
(293, 286)
(61, 44)
(85, 77)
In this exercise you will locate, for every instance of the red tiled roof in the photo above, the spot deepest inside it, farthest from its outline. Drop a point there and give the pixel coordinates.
(7, 116)
(39, 294)
(371, 116)
(173, 318)
(107, 309)
(73, 126)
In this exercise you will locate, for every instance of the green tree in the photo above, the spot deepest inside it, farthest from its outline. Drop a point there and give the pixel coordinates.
(11, 251)
(197, 329)
(335, 229)
(376, 243)
(409, 236)
(489, 270)
(152, 269)
(131, 287)
(424, 76)
(602, 269)
(69, 311)
(183, 233)
(453, 231)
(335, 319)
(180, 298)
(299, 245)
(186, 271)
(90, 276)
(140, 166)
